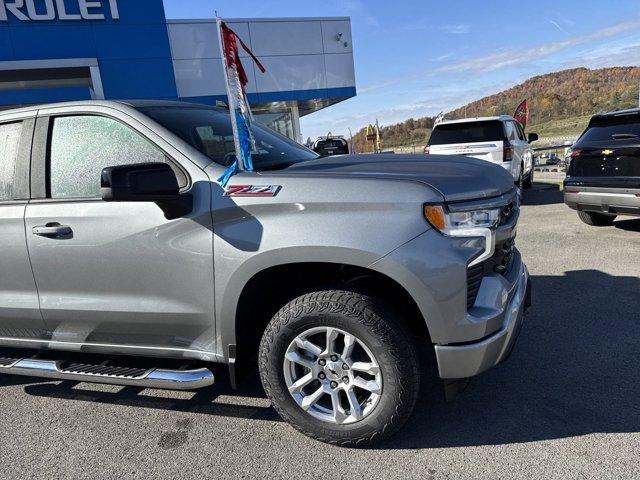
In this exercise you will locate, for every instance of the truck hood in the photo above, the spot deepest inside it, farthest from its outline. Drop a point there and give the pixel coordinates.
(457, 178)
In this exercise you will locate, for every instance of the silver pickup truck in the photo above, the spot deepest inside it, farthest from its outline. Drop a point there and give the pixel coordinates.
(120, 251)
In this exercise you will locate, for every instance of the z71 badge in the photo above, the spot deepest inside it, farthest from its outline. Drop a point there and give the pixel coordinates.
(252, 190)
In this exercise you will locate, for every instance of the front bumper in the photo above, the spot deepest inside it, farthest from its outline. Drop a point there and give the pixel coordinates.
(472, 358)
(617, 201)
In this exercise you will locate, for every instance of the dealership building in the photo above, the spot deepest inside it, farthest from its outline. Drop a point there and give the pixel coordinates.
(61, 50)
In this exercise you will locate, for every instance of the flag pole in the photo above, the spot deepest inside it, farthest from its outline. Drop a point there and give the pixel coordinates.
(239, 164)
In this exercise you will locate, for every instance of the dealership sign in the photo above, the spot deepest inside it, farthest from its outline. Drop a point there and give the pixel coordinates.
(47, 10)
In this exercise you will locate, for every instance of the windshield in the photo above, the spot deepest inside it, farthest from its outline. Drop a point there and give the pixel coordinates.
(209, 130)
(468, 132)
(608, 129)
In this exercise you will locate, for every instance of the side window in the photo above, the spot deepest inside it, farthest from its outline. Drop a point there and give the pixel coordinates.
(81, 146)
(9, 143)
(519, 131)
(510, 130)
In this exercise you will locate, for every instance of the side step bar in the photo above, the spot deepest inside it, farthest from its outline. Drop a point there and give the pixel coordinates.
(130, 377)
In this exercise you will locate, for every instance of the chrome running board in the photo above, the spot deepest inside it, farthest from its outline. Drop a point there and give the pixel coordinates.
(130, 377)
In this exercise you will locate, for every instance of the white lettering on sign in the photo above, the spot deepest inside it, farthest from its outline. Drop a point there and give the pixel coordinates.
(48, 14)
(47, 10)
(62, 12)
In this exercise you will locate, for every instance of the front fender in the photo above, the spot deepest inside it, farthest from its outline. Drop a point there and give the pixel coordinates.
(231, 288)
(342, 221)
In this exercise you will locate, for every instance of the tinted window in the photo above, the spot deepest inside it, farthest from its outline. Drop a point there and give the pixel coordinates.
(519, 131)
(469, 132)
(209, 130)
(9, 143)
(510, 129)
(81, 146)
(612, 129)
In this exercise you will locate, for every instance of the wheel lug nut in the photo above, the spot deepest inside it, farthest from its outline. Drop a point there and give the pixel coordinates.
(345, 379)
(333, 384)
(322, 376)
(334, 358)
(345, 366)
(322, 362)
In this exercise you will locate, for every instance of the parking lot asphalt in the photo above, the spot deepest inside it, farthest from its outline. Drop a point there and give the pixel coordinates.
(565, 405)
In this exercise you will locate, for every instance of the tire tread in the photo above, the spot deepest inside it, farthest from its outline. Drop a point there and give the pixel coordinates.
(374, 316)
(595, 219)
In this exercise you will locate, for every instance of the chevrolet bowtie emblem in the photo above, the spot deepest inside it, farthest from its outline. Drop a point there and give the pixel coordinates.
(607, 152)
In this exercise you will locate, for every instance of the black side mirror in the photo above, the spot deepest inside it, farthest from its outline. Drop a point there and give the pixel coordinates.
(533, 137)
(145, 182)
(142, 182)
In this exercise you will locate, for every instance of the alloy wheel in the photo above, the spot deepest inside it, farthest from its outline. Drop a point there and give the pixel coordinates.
(332, 375)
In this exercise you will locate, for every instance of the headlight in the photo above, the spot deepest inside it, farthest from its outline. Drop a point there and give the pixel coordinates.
(460, 223)
(472, 223)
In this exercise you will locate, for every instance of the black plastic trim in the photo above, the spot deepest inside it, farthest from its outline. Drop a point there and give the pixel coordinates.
(603, 182)
(39, 158)
(21, 182)
(492, 202)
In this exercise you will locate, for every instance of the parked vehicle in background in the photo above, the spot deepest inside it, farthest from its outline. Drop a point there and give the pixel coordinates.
(603, 178)
(553, 159)
(331, 145)
(500, 140)
(113, 211)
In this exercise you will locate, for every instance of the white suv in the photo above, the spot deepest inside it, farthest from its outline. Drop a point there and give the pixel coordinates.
(498, 140)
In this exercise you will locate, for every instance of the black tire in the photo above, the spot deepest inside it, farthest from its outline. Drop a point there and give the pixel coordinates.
(528, 181)
(596, 219)
(363, 317)
(520, 181)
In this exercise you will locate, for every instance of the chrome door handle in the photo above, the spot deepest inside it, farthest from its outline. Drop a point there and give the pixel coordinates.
(52, 230)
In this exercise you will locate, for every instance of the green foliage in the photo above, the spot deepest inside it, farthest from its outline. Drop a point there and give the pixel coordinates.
(560, 103)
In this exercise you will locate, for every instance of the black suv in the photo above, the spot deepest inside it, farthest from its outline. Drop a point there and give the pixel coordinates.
(603, 178)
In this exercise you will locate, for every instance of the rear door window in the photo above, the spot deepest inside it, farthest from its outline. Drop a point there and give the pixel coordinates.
(468, 132)
(9, 143)
(612, 129)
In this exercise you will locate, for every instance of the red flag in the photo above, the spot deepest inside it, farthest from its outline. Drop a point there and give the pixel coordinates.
(522, 113)
(231, 56)
(239, 109)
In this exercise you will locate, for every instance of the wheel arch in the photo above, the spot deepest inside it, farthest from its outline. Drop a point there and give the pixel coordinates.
(260, 295)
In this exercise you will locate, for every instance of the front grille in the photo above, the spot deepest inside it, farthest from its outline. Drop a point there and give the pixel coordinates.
(503, 256)
(500, 262)
(474, 279)
(508, 211)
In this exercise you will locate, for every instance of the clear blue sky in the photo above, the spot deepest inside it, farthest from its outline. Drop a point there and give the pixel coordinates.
(419, 57)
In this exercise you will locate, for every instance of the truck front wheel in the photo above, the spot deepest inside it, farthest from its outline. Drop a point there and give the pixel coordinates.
(528, 181)
(339, 368)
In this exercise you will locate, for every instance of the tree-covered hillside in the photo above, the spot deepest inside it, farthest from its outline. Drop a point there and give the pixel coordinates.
(560, 103)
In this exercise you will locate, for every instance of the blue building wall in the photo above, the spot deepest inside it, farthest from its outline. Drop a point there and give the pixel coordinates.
(306, 65)
(133, 52)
